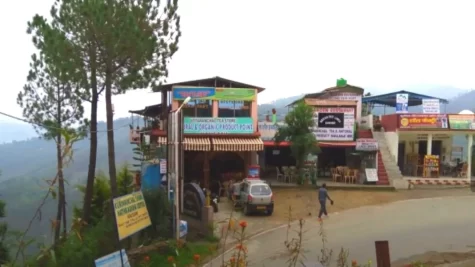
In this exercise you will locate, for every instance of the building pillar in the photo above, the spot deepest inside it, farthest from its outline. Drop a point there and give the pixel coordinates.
(206, 170)
(469, 157)
(429, 144)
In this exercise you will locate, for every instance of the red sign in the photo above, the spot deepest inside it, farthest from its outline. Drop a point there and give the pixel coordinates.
(415, 121)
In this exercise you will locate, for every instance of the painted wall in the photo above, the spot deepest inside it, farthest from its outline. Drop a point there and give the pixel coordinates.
(392, 140)
(350, 97)
(390, 122)
(367, 122)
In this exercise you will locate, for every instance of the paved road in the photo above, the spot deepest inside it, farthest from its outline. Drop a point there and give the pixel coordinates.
(412, 227)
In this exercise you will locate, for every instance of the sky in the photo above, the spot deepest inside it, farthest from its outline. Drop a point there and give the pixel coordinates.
(287, 47)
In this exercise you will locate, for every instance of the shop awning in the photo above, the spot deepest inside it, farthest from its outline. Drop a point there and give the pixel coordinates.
(237, 144)
(336, 144)
(191, 143)
(196, 144)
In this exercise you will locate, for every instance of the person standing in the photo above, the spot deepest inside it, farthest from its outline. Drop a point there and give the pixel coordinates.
(322, 198)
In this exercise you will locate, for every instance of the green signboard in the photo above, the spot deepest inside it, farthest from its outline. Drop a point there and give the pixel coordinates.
(211, 93)
(218, 125)
(462, 121)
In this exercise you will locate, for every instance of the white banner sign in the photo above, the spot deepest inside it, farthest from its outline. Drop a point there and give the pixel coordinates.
(371, 175)
(113, 260)
(268, 129)
(366, 144)
(334, 124)
(345, 96)
(430, 106)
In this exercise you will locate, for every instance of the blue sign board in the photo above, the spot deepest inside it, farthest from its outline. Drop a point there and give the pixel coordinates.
(197, 93)
(113, 260)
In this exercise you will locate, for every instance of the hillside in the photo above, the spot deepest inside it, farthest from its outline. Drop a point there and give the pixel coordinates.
(25, 164)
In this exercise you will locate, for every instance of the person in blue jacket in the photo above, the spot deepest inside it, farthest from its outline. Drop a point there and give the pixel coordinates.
(322, 198)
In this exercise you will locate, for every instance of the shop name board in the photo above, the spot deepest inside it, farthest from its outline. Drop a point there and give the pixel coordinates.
(268, 130)
(366, 144)
(462, 121)
(345, 96)
(211, 93)
(334, 124)
(131, 214)
(415, 121)
(218, 125)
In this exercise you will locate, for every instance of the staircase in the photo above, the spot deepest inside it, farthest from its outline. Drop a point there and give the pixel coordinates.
(383, 178)
(388, 170)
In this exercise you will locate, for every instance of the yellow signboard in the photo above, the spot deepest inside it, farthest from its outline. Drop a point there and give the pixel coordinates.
(131, 214)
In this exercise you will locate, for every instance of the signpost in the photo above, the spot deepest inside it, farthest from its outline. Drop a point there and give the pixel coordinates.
(131, 214)
(366, 144)
(113, 260)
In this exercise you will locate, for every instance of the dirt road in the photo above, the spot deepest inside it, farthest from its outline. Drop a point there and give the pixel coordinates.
(303, 201)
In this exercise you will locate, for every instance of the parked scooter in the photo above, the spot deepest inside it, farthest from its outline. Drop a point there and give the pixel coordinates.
(213, 199)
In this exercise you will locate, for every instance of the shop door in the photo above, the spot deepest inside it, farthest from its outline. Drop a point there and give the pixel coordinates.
(437, 148)
(401, 153)
(422, 148)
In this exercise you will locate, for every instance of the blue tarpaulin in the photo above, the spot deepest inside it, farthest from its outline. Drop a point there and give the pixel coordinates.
(151, 178)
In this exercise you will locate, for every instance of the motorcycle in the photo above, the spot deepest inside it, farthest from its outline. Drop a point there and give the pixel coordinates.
(214, 200)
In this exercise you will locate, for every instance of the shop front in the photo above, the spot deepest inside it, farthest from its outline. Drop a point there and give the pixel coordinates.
(423, 145)
(335, 132)
(221, 139)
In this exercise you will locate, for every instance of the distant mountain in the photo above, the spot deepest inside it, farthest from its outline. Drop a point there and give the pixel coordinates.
(15, 131)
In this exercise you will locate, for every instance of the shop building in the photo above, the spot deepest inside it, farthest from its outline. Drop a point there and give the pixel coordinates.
(420, 144)
(337, 116)
(220, 133)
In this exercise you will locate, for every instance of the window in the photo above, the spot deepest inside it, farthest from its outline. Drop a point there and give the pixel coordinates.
(197, 108)
(260, 190)
(230, 109)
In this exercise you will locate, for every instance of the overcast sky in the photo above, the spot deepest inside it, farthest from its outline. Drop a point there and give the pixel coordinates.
(288, 47)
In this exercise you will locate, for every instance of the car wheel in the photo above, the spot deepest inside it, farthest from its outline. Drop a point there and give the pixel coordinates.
(245, 210)
(269, 212)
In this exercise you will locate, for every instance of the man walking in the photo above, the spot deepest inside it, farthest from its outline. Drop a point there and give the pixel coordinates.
(322, 198)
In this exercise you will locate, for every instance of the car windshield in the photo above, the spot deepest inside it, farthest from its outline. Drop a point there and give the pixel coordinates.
(260, 190)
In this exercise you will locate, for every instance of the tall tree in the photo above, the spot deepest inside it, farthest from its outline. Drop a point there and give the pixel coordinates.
(134, 41)
(70, 45)
(51, 103)
(297, 129)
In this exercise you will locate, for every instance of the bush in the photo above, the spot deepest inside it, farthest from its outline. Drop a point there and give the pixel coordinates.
(159, 209)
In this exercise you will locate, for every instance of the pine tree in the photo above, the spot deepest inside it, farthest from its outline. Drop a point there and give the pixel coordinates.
(51, 103)
(129, 45)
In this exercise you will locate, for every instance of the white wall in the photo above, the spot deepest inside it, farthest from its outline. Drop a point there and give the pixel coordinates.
(392, 140)
(367, 121)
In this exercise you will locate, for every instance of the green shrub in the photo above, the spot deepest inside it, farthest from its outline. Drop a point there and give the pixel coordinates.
(159, 209)
(96, 242)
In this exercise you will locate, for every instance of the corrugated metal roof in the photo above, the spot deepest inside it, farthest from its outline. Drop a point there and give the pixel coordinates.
(210, 82)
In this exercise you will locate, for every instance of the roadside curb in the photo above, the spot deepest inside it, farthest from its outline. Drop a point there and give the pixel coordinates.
(383, 188)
